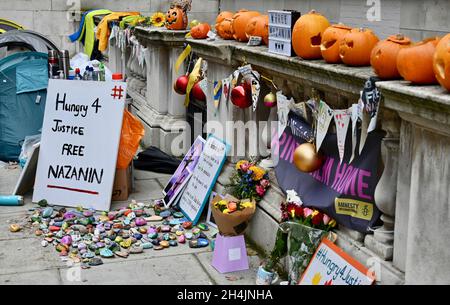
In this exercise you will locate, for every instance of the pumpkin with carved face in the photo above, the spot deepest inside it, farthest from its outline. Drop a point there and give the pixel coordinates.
(176, 19)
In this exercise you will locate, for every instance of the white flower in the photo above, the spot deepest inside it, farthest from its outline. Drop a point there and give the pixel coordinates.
(293, 197)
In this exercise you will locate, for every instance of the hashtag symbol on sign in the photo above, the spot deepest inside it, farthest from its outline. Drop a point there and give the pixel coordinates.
(117, 92)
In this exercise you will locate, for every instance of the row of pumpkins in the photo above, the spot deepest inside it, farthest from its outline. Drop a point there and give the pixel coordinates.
(313, 37)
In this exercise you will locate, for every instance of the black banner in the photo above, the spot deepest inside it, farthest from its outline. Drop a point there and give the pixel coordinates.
(345, 191)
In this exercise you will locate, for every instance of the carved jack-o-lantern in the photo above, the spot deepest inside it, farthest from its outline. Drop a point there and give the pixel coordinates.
(176, 18)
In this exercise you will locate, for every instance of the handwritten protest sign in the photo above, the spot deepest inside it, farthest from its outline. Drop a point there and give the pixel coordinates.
(203, 179)
(80, 139)
(330, 265)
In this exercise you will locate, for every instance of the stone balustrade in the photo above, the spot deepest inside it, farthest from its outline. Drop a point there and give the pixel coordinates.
(412, 246)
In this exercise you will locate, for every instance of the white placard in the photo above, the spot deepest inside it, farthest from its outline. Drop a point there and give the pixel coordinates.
(234, 254)
(323, 122)
(354, 118)
(283, 108)
(341, 120)
(80, 140)
(200, 185)
(330, 266)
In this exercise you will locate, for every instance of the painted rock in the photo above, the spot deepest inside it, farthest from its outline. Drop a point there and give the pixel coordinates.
(38, 232)
(80, 228)
(153, 235)
(88, 255)
(165, 229)
(123, 254)
(44, 243)
(147, 245)
(195, 230)
(181, 239)
(172, 237)
(165, 214)
(43, 203)
(14, 228)
(202, 235)
(155, 242)
(155, 218)
(142, 230)
(84, 221)
(138, 236)
(118, 239)
(54, 228)
(178, 215)
(179, 233)
(103, 218)
(66, 240)
(47, 212)
(166, 236)
(105, 252)
(158, 247)
(140, 221)
(203, 227)
(48, 239)
(88, 213)
(188, 235)
(136, 249)
(95, 261)
(199, 243)
(187, 225)
(173, 243)
(126, 243)
(164, 244)
(61, 247)
(81, 246)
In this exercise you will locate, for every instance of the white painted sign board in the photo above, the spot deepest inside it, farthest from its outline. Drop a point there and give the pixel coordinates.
(330, 266)
(199, 187)
(79, 145)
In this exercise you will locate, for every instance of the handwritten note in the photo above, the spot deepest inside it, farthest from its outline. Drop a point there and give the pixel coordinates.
(203, 179)
(80, 140)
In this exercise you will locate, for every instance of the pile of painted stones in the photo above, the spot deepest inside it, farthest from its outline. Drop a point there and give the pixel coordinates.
(87, 236)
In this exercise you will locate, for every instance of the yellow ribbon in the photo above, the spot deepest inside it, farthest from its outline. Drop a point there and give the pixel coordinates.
(193, 78)
(182, 57)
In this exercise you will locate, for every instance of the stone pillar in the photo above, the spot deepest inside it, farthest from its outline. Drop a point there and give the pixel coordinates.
(382, 241)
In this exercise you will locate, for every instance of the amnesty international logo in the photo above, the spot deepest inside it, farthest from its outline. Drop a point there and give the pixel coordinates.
(354, 208)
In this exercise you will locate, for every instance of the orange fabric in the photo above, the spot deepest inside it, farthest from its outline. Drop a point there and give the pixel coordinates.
(103, 29)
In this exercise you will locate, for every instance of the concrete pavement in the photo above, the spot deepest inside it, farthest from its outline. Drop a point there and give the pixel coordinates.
(24, 261)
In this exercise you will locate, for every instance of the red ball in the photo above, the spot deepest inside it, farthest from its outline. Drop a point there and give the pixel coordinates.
(197, 93)
(241, 96)
(181, 84)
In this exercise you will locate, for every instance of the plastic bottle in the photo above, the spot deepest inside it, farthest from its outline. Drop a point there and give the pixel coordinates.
(95, 71)
(101, 74)
(90, 73)
(86, 72)
(78, 74)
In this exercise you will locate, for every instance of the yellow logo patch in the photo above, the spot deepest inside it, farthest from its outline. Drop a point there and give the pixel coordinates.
(354, 208)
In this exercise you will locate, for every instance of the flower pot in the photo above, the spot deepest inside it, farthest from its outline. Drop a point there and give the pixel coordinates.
(264, 277)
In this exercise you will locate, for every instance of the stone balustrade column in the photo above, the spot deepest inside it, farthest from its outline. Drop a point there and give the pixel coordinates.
(382, 241)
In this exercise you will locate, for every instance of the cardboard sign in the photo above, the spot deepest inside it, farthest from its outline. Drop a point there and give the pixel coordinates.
(196, 195)
(183, 173)
(80, 140)
(330, 265)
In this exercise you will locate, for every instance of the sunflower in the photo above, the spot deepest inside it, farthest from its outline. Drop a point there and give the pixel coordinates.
(258, 173)
(158, 19)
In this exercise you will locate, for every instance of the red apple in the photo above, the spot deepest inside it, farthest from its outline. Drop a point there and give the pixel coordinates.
(181, 84)
(241, 96)
(197, 93)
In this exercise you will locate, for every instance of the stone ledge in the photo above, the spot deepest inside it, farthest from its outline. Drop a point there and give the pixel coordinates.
(160, 36)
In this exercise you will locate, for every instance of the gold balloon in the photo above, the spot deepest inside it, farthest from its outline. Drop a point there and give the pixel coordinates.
(306, 159)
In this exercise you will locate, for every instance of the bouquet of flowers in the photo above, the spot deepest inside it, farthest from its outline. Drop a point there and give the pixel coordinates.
(249, 181)
(232, 215)
(300, 233)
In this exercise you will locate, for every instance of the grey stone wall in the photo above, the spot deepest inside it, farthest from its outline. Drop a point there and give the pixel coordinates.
(416, 18)
(50, 17)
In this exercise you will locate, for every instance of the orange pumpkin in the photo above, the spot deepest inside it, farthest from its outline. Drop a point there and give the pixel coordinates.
(384, 56)
(307, 35)
(441, 62)
(200, 31)
(176, 18)
(225, 29)
(357, 46)
(258, 26)
(415, 63)
(240, 20)
(221, 17)
(331, 40)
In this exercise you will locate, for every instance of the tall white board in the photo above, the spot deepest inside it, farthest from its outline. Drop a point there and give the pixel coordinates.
(79, 145)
